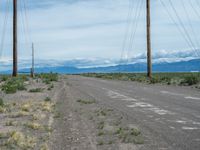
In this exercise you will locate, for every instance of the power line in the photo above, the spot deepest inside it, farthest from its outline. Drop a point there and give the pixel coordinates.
(186, 32)
(194, 9)
(134, 27)
(4, 28)
(131, 30)
(190, 24)
(181, 28)
(22, 21)
(27, 20)
(132, 40)
(127, 29)
(198, 4)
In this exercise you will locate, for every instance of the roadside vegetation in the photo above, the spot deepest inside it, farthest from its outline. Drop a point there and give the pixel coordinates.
(182, 79)
(25, 124)
(83, 101)
(110, 126)
(12, 85)
(26, 119)
(36, 90)
(48, 78)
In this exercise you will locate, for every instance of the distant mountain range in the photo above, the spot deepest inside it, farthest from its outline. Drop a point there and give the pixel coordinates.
(184, 61)
(183, 66)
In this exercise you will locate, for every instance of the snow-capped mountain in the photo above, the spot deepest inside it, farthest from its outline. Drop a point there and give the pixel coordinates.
(91, 64)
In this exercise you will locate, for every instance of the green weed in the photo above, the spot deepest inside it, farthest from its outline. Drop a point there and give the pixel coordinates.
(1, 102)
(83, 101)
(37, 90)
(47, 78)
(47, 99)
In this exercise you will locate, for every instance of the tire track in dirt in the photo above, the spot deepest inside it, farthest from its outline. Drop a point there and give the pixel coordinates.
(71, 131)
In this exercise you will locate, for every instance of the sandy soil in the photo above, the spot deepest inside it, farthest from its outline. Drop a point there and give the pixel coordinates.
(27, 118)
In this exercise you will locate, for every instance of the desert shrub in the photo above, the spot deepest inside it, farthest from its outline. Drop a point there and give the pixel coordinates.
(18, 140)
(141, 79)
(83, 101)
(48, 77)
(166, 80)
(4, 78)
(154, 80)
(23, 77)
(1, 102)
(127, 135)
(35, 90)
(190, 80)
(47, 99)
(50, 87)
(125, 78)
(12, 85)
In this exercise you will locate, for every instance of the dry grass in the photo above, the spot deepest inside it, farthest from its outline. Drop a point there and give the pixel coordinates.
(2, 109)
(44, 147)
(29, 118)
(34, 125)
(47, 106)
(18, 140)
(11, 123)
(26, 107)
(31, 114)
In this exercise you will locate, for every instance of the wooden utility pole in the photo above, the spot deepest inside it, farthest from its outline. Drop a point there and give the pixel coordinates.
(149, 63)
(14, 38)
(33, 61)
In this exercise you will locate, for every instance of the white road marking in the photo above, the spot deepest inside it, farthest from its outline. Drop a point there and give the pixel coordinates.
(190, 128)
(194, 98)
(171, 93)
(137, 103)
(140, 104)
(181, 121)
(129, 99)
(178, 94)
(196, 123)
(157, 119)
(171, 127)
(160, 111)
(150, 116)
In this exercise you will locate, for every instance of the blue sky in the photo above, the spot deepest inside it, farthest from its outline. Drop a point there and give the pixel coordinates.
(68, 29)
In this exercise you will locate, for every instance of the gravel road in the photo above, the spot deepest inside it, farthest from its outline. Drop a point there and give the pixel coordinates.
(168, 116)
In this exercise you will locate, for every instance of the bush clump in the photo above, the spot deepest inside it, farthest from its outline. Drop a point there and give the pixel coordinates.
(154, 80)
(47, 99)
(35, 90)
(83, 101)
(4, 78)
(190, 80)
(12, 85)
(48, 77)
(1, 102)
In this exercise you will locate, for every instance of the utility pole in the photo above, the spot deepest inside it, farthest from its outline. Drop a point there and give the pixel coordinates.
(149, 63)
(33, 61)
(14, 38)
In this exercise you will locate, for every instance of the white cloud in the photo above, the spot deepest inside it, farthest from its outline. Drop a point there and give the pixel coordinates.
(159, 57)
(64, 29)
